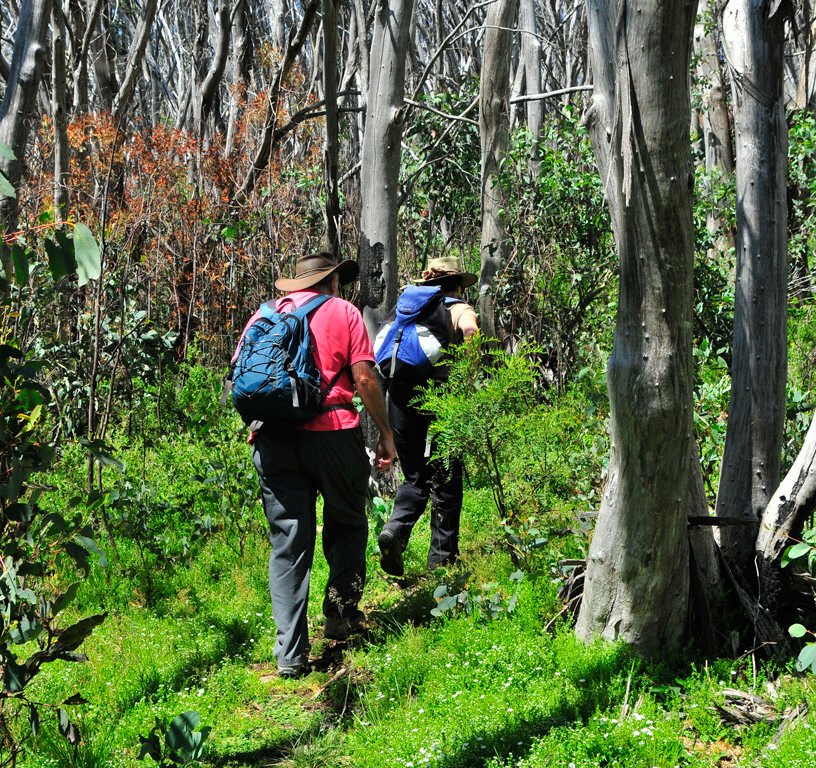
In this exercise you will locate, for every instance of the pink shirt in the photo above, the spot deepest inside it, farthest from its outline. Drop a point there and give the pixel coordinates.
(340, 340)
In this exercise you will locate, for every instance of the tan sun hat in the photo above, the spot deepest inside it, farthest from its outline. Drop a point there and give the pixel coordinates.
(441, 268)
(311, 269)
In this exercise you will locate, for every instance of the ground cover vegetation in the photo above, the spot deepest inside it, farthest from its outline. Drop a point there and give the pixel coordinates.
(130, 516)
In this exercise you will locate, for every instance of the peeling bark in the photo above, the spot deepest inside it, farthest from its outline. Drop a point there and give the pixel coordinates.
(637, 581)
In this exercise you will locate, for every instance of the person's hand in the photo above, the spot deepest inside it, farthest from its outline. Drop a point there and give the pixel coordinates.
(386, 453)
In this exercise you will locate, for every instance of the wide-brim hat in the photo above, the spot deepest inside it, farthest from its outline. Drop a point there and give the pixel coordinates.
(311, 269)
(444, 267)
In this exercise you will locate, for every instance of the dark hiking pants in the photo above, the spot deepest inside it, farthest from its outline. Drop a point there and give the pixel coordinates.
(423, 479)
(293, 468)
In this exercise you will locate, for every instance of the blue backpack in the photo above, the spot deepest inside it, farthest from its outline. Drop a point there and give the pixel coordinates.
(415, 335)
(274, 376)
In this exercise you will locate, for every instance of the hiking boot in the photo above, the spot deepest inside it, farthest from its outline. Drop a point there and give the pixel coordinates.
(338, 628)
(293, 671)
(390, 552)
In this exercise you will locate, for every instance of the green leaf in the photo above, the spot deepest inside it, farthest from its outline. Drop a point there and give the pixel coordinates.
(34, 719)
(27, 629)
(61, 260)
(14, 677)
(20, 259)
(7, 152)
(796, 630)
(5, 186)
(88, 259)
(807, 657)
(61, 601)
(150, 746)
(67, 728)
(179, 733)
(798, 550)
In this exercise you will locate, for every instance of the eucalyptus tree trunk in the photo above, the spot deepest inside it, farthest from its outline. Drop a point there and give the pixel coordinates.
(382, 150)
(17, 108)
(133, 65)
(754, 38)
(793, 502)
(494, 129)
(103, 57)
(59, 113)
(637, 581)
(331, 148)
(715, 119)
(243, 51)
(205, 94)
(531, 58)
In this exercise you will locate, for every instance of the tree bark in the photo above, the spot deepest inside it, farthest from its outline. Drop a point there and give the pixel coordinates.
(133, 66)
(753, 446)
(59, 114)
(637, 581)
(205, 94)
(103, 57)
(16, 109)
(494, 129)
(784, 518)
(331, 148)
(531, 56)
(714, 119)
(382, 150)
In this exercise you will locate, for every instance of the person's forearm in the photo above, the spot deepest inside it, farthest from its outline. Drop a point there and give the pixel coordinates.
(368, 387)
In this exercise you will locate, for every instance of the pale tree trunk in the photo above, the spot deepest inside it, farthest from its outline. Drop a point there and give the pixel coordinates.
(59, 113)
(531, 57)
(753, 446)
(242, 54)
(494, 129)
(784, 517)
(133, 66)
(715, 120)
(83, 26)
(16, 110)
(637, 580)
(331, 148)
(205, 94)
(277, 21)
(103, 61)
(807, 73)
(382, 150)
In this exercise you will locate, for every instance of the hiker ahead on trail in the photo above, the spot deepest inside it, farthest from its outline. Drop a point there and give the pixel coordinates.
(294, 375)
(428, 318)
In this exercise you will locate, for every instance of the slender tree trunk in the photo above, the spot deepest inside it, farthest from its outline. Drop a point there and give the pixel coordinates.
(753, 446)
(715, 119)
(133, 66)
(382, 150)
(637, 581)
(103, 56)
(531, 56)
(16, 110)
(243, 51)
(331, 149)
(59, 113)
(205, 95)
(494, 129)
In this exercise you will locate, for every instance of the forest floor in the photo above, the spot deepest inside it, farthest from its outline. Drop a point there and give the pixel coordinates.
(462, 690)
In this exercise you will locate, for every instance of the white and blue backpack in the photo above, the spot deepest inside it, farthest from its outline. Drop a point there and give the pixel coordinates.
(415, 335)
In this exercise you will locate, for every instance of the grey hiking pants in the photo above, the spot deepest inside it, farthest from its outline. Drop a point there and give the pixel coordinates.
(292, 469)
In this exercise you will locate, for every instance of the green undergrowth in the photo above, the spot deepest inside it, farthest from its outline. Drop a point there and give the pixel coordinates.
(491, 681)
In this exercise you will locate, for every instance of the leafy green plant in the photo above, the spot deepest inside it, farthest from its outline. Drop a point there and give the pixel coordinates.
(463, 594)
(178, 743)
(380, 512)
(803, 549)
(35, 546)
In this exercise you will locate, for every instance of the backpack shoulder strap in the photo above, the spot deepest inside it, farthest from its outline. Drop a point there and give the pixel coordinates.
(310, 306)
